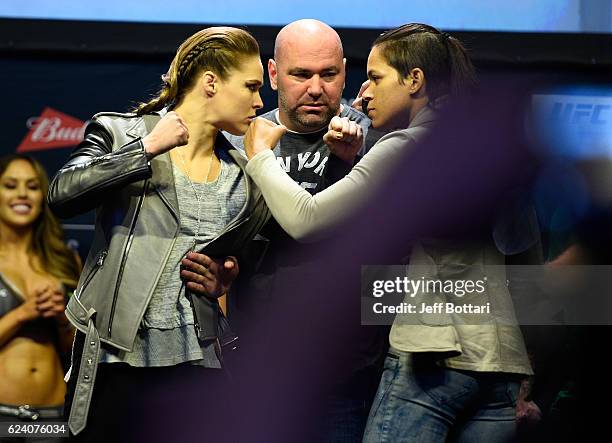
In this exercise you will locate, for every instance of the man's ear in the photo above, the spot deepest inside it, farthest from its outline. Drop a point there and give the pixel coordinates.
(418, 81)
(273, 74)
(209, 83)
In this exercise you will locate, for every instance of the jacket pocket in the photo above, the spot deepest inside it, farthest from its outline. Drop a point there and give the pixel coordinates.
(96, 267)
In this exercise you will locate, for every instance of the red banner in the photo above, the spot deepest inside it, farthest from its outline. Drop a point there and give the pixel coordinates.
(52, 130)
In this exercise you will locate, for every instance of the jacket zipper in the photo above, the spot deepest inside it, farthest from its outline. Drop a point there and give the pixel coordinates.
(97, 160)
(99, 262)
(124, 257)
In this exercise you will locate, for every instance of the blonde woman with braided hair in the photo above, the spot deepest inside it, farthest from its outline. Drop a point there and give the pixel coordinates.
(173, 210)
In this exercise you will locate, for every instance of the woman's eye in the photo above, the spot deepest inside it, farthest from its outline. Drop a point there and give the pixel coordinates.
(253, 88)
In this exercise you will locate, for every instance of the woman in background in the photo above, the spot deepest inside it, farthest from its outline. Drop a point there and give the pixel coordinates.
(37, 270)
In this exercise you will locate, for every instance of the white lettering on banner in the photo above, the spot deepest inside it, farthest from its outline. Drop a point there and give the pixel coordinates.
(308, 185)
(302, 157)
(50, 129)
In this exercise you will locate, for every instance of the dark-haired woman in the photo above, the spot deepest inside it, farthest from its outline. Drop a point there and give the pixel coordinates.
(443, 379)
(36, 271)
(164, 182)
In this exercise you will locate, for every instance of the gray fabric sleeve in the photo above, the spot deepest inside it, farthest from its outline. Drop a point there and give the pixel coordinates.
(308, 218)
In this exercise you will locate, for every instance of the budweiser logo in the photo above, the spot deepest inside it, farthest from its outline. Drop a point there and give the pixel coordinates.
(52, 130)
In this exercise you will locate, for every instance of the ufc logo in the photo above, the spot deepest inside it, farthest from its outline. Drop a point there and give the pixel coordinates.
(576, 113)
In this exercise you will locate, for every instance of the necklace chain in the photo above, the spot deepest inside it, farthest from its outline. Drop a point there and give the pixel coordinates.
(195, 191)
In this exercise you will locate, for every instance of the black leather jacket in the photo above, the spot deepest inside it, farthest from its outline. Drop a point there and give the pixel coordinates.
(136, 222)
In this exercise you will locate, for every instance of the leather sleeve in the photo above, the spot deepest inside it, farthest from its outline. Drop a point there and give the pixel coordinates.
(94, 171)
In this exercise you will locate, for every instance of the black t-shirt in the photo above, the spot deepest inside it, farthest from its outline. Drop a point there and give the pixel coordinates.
(305, 157)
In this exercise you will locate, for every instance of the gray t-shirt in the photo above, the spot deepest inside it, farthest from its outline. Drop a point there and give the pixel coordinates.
(167, 334)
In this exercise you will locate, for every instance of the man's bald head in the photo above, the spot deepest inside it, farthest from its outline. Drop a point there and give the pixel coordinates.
(308, 72)
(307, 34)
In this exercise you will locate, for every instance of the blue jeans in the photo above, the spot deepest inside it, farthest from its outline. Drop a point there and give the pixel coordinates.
(418, 401)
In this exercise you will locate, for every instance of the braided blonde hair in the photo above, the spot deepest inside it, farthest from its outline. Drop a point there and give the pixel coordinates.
(219, 49)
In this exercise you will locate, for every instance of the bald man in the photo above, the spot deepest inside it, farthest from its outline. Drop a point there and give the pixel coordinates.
(308, 72)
